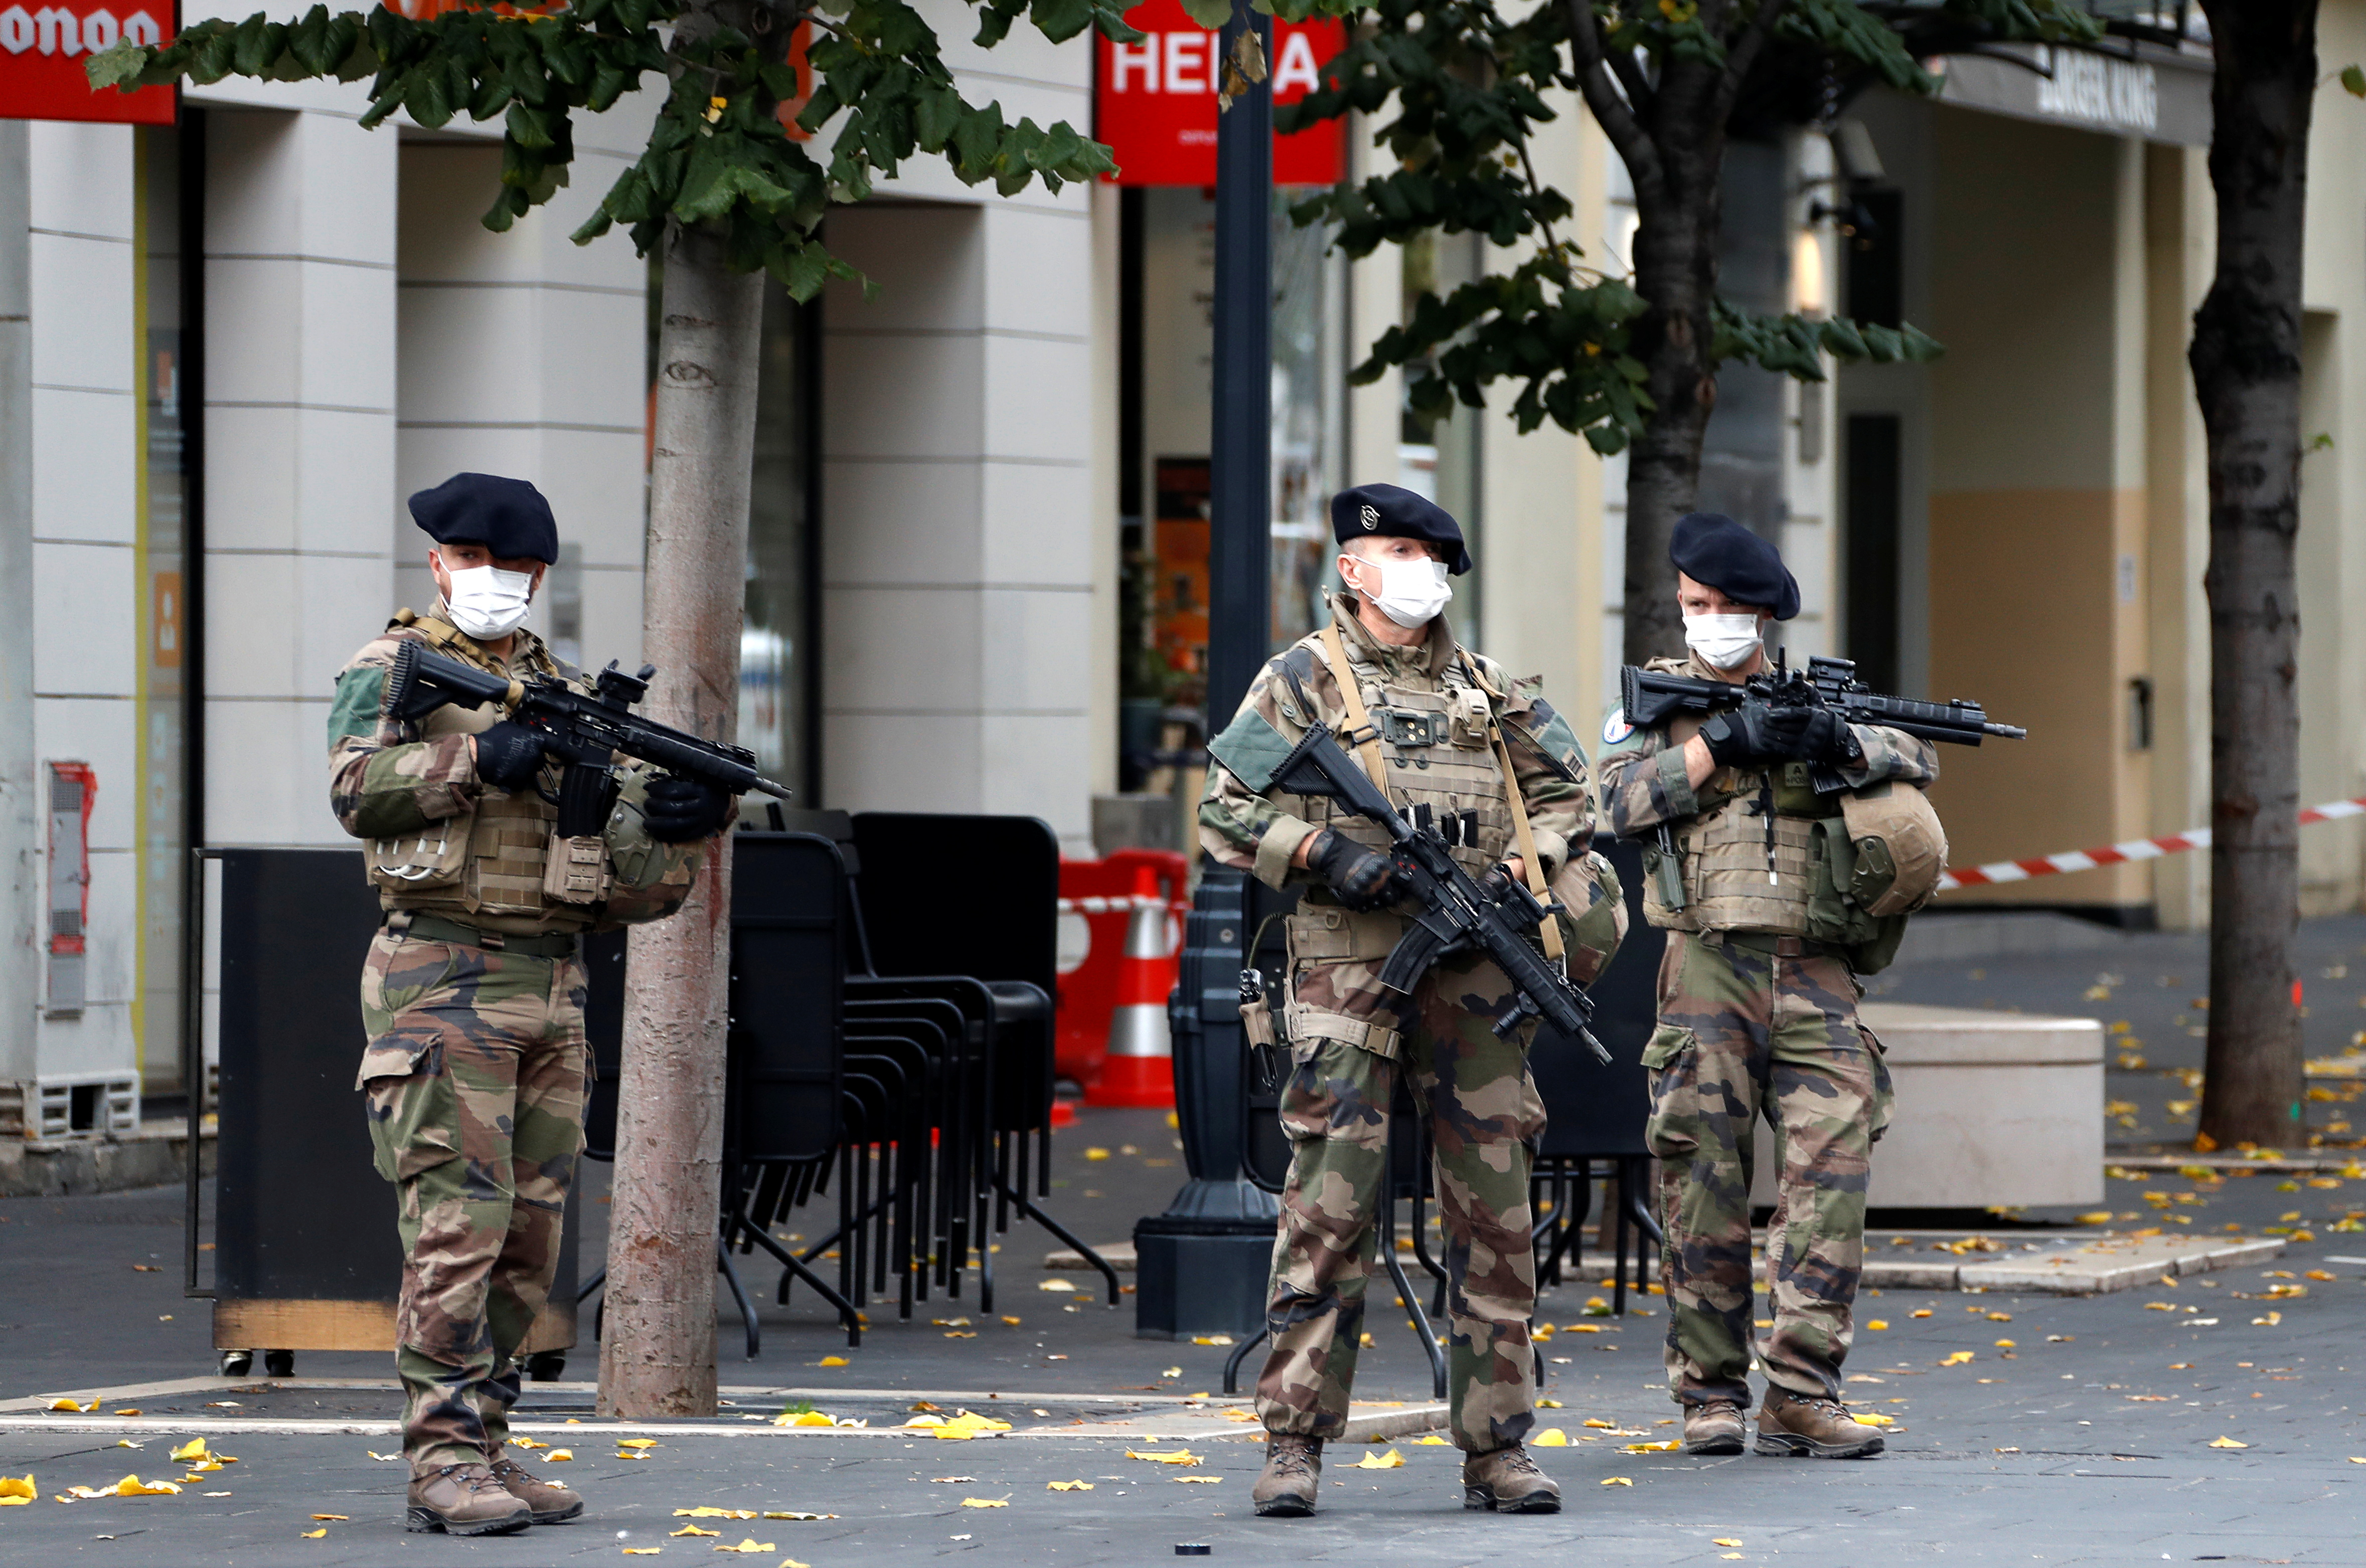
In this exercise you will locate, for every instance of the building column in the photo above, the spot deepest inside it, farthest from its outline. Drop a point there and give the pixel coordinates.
(299, 452)
(522, 355)
(958, 514)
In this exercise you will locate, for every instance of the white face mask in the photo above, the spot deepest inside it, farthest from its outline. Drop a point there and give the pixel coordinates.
(487, 602)
(1411, 592)
(1724, 641)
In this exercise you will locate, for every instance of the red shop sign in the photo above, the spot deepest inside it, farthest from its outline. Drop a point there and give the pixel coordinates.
(44, 42)
(1155, 102)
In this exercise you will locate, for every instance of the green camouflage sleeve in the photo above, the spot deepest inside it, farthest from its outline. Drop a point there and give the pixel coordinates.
(1643, 782)
(651, 878)
(384, 779)
(1239, 827)
(1891, 754)
(1550, 767)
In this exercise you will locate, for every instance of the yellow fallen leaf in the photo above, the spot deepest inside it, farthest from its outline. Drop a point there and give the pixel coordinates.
(791, 1514)
(71, 1405)
(1242, 1416)
(832, 1361)
(1164, 1456)
(132, 1486)
(961, 1334)
(1723, 1540)
(1389, 1461)
(527, 1443)
(1956, 1359)
(2099, 1216)
(15, 1502)
(2007, 1344)
(1648, 1447)
(1600, 1425)
(1434, 1441)
(1872, 1419)
(636, 1442)
(1012, 1321)
(1878, 1324)
(1211, 1480)
(629, 1453)
(2358, 1459)
(2227, 1443)
(316, 1534)
(1550, 1438)
(130, 1412)
(559, 1456)
(10, 1486)
(2161, 1306)
(925, 1422)
(693, 1530)
(1617, 1481)
(1067, 1486)
(340, 1518)
(1062, 1286)
(1212, 1340)
(1999, 1317)
(802, 1419)
(705, 1511)
(1096, 1154)
(1921, 1312)
(749, 1545)
(1728, 1557)
(643, 1550)
(965, 1426)
(985, 1502)
(792, 1563)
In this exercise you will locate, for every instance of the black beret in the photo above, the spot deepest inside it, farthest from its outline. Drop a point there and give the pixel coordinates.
(508, 517)
(1392, 510)
(1711, 548)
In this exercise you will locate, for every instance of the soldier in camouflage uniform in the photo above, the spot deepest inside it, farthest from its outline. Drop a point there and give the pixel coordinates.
(476, 1069)
(1441, 711)
(1757, 1015)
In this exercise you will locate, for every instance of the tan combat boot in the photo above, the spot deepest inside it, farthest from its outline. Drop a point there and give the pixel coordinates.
(1812, 1428)
(464, 1499)
(1714, 1426)
(1507, 1481)
(1293, 1470)
(551, 1503)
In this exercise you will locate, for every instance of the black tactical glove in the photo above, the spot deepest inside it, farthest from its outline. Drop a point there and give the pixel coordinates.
(509, 754)
(1754, 732)
(1828, 739)
(1499, 880)
(1364, 878)
(679, 810)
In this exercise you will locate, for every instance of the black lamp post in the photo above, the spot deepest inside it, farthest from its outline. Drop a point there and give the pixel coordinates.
(1202, 1264)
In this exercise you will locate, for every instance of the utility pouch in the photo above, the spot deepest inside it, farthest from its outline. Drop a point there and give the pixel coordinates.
(433, 858)
(577, 870)
(1467, 720)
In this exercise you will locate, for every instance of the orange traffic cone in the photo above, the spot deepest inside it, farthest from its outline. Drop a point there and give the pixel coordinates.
(1140, 1070)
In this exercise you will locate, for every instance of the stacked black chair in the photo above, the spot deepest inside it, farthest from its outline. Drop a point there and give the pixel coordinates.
(1594, 1114)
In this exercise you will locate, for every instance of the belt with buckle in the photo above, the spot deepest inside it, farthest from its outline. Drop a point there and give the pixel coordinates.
(436, 928)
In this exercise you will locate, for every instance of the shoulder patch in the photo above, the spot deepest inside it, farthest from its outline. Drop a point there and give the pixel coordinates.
(1616, 728)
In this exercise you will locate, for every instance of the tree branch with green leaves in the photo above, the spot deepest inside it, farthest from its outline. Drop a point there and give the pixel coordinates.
(718, 153)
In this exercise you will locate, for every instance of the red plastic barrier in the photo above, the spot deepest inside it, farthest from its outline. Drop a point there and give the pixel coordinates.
(1133, 903)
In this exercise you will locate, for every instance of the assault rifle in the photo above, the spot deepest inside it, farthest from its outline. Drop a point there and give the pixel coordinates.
(1653, 697)
(1457, 914)
(584, 731)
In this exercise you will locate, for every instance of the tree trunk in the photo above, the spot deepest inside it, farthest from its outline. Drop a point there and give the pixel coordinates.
(1676, 272)
(657, 1357)
(2246, 369)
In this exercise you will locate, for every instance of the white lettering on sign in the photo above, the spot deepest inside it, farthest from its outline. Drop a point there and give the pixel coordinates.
(1125, 59)
(56, 28)
(2098, 90)
(141, 29)
(1187, 52)
(1297, 65)
(16, 30)
(99, 31)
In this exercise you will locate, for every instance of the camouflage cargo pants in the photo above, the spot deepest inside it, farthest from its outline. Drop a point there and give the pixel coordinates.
(474, 1082)
(1483, 1110)
(1746, 1031)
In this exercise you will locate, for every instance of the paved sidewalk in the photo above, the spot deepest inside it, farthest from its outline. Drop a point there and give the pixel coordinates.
(2102, 1433)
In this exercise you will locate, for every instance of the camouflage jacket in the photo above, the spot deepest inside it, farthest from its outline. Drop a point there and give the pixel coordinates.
(1245, 829)
(1643, 782)
(388, 776)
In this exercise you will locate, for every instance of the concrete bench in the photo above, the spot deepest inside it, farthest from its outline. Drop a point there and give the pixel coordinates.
(1993, 1109)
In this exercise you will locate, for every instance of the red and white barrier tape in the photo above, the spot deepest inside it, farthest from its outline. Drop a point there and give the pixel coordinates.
(2114, 854)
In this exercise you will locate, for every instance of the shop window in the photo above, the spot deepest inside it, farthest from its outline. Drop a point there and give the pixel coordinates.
(778, 647)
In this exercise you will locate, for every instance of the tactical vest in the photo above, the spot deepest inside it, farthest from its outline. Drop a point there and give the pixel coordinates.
(487, 867)
(1722, 855)
(1434, 740)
